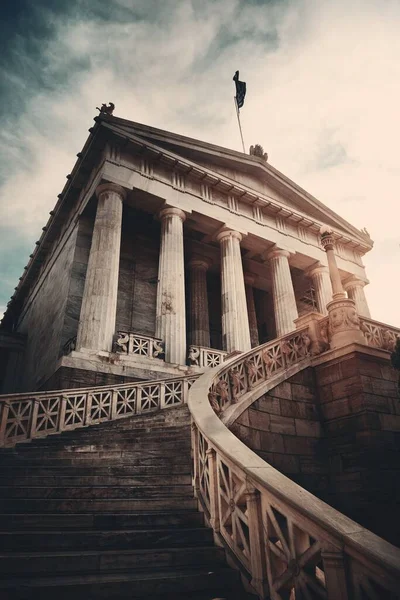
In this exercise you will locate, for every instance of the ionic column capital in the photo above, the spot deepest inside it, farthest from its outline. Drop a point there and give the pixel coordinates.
(201, 263)
(227, 233)
(111, 187)
(171, 211)
(354, 282)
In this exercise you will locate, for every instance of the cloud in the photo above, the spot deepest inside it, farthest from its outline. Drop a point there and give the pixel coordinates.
(322, 99)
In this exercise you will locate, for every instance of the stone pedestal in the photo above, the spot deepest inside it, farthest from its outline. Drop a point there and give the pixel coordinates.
(170, 312)
(322, 286)
(251, 310)
(235, 322)
(99, 304)
(344, 323)
(355, 290)
(199, 317)
(282, 291)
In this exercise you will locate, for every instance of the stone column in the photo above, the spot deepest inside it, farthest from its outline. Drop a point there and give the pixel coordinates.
(235, 321)
(170, 317)
(251, 310)
(99, 304)
(355, 290)
(344, 323)
(322, 286)
(199, 317)
(282, 292)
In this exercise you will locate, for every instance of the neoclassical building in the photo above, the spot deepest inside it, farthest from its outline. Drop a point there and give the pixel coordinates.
(162, 248)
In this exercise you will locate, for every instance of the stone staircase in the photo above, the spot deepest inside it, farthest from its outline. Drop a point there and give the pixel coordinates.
(108, 512)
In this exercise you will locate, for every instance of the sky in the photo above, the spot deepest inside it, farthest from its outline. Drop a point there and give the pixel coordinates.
(323, 98)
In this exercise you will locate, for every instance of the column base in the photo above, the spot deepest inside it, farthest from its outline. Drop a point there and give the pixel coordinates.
(344, 323)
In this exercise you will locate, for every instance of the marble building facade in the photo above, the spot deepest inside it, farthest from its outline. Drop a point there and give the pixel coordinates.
(164, 254)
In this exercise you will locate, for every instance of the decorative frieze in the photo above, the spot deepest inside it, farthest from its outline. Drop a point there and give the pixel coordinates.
(233, 204)
(178, 180)
(147, 167)
(206, 192)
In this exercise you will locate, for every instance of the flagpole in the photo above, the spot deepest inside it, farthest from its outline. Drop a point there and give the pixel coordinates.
(240, 126)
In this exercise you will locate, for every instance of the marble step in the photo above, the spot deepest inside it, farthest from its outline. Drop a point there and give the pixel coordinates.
(140, 520)
(102, 560)
(92, 460)
(77, 505)
(87, 539)
(99, 469)
(116, 449)
(57, 480)
(218, 582)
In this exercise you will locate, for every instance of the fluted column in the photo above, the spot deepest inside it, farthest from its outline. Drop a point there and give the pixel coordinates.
(251, 310)
(322, 286)
(99, 304)
(199, 317)
(355, 290)
(170, 317)
(235, 322)
(282, 292)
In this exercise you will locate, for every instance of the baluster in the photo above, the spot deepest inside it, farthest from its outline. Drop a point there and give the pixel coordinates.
(130, 343)
(3, 424)
(213, 490)
(32, 429)
(257, 548)
(63, 408)
(185, 391)
(335, 574)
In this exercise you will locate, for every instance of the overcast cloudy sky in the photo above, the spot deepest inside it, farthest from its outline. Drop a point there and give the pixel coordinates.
(323, 79)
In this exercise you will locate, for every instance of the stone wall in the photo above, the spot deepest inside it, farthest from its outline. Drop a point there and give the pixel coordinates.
(335, 430)
(67, 378)
(42, 319)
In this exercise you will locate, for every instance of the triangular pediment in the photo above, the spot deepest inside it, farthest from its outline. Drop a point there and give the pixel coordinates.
(243, 169)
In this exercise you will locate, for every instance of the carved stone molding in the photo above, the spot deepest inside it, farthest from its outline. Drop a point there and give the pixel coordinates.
(344, 323)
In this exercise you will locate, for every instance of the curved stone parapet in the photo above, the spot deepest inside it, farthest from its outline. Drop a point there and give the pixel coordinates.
(288, 542)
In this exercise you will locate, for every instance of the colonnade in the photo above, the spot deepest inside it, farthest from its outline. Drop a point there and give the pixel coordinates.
(239, 323)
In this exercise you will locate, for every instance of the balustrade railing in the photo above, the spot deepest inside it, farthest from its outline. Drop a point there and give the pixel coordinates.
(378, 334)
(200, 356)
(292, 545)
(27, 416)
(139, 345)
(256, 367)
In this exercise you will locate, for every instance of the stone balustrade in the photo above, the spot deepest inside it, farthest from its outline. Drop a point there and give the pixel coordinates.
(201, 356)
(378, 334)
(290, 543)
(140, 345)
(27, 416)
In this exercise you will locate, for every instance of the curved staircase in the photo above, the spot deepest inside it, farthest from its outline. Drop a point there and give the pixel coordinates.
(100, 504)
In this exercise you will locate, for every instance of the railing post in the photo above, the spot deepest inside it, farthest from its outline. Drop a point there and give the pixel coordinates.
(195, 459)
(32, 428)
(162, 394)
(88, 418)
(114, 404)
(63, 408)
(335, 575)
(3, 423)
(257, 550)
(214, 505)
(138, 400)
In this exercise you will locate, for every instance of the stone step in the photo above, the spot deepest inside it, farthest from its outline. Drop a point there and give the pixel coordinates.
(90, 433)
(76, 505)
(97, 492)
(122, 470)
(131, 458)
(102, 560)
(87, 539)
(217, 582)
(140, 520)
(57, 480)
(101, 450)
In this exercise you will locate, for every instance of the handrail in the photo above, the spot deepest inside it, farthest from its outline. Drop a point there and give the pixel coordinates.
(289, 542)
(33, 415)
(379, 335)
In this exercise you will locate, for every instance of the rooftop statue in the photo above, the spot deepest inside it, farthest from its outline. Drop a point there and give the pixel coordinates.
(258, 150)
(106, 110)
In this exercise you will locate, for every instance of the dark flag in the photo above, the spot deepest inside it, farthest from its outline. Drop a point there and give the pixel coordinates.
(240, 90)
